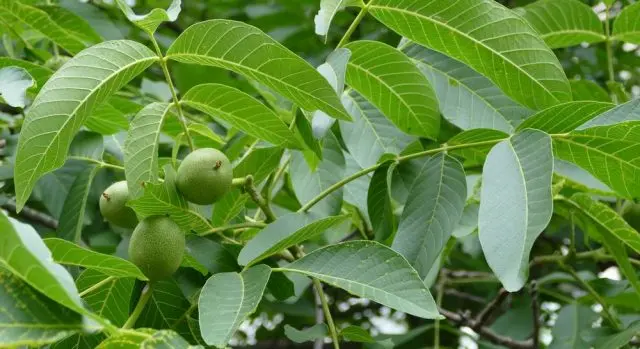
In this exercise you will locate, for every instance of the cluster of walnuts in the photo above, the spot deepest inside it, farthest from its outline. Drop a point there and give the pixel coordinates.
(157, 243)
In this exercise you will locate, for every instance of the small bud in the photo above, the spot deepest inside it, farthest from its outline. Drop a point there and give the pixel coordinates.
(106, 196)
(218, 165)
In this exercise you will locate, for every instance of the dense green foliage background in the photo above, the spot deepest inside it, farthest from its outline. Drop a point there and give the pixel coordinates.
(577, 288)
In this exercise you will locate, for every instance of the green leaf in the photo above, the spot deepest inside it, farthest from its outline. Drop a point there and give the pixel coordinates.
(80, 341)
(466, 98)
(619, 339)
(167, 340)
(150, 22)
(241, 111)
(229, 206)
(14, 83)
(391, 82)
(334, 70)
(572, 320)
(516, 203)
(39, 73)
(167, 309)
(286, 231)
(125, 340)
(13, 14)
(626, 26)
(212, 255)
(65, 252)
(53, 188)
(477, 154)
(259, 163)
(610, 153)
(248, 51)
(146, 339)
(141, 147)
(564, 23)
(606, 219)
(468, 223)
(328, 10)
(565, 117)
(355, 192)
(432, 211)
(72, 217)
(518, 61)
(629, 111)
(308, 182)
(107, 120)
(31, 319)
(587, 90)
(23, 252)
(307, 335)
(356, 334)
(370, 270)
(72, 24)
(108, 300)
(227, 299)
(163, 198)
(87, 146)
(370, 135)
(379, 203)
(61, 108)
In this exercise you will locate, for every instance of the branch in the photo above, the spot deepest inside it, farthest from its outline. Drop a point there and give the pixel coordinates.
(258, 199)
(32, 215)
(535, 307)
(486, 332)
(484, 315)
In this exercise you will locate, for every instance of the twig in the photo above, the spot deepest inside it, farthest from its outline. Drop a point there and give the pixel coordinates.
(319, 342)
(327, 313)
(258, 199)
(463, 295)
(597, 255)
(245, 225)
(486, 332)
(484, 315)
(535, 307)
(441, 284)
(32, 215)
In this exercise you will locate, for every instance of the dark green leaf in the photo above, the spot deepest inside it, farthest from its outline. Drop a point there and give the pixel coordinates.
(626, 27)
(566, 117)
(72, 217)
(109, 300)
(307, 335)
(620, 339)
(150, 21)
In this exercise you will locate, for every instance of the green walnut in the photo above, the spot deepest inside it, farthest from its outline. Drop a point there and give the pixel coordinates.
(157, 247)
(113, 206)
(204, 176)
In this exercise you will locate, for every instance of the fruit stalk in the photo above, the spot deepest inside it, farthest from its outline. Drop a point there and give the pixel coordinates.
(142, 302)
(258, 199)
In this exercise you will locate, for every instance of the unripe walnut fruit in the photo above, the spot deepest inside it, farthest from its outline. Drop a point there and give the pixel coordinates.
(157, 247)
(113, 206)
(204, 176)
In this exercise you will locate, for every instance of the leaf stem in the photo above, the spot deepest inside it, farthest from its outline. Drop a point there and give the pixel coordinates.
(98, 162)
(97, 286)
(609, 48)
(327, 313)
(174, 95)
(353, 26)
(258, 199)
(142, 302)
(234, 227)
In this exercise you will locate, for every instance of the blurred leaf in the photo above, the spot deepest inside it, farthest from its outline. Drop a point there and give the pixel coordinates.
(204, 137)
(72, 24)
(286, 231)
(214, 256)
(306, 335)
(379, 203)
(39, 73)
(356, 334)
(248, 51)
(572, 320)
(14, 14)
(432, 211)
(461, 31)
(564, 23)
(391, 82)
(167, 309)
(31, 319)
(227, 299)
(466, 98)
(150, 22)
(107, 120)
(61, 108)
(516, 204)
(14, 83)
(620, 339)
(328, 10)
(228, 207)
(65, 252)
(259, 163)
(334, 71)
(587, 90)
(370, 270)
